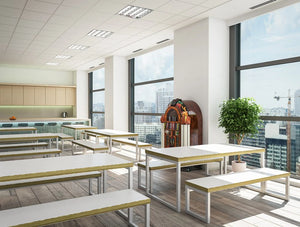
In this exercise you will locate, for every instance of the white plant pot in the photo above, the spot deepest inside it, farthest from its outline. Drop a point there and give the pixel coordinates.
(238, 166)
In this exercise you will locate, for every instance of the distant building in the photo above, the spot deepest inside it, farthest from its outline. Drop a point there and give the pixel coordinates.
(297, 102)
(163, 98)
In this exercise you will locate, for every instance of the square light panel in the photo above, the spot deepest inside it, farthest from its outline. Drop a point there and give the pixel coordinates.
(134, 12)
(62, 57)
(100, 33)
(78, 47)
(51, 63)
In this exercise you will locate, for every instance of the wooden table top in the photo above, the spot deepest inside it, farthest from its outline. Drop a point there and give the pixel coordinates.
(27, 136)
(18, 129)
(202, 151)
(112, 133)
(43, 167)
(79, 127)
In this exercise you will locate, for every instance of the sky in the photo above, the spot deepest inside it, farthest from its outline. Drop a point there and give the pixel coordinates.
(272, 36)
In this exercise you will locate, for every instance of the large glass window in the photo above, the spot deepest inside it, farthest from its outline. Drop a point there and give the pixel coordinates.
(97, 98)
(151, 82)
(267, 69)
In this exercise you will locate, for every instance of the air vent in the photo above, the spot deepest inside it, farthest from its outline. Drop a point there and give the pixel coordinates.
(136, 50)
(162, 41)
(262, 4)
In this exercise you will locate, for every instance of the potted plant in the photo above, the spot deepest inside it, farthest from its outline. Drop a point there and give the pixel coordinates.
(240, 118)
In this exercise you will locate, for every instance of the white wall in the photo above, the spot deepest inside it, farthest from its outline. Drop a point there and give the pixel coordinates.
(201, 71)
(26, 75)
(82, 92)
(116, 93)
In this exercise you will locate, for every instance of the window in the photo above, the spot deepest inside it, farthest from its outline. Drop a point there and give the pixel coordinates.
(97, 98)
(151, 83)
(267, 68)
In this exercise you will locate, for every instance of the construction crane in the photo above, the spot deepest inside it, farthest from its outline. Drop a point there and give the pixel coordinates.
(288, 131)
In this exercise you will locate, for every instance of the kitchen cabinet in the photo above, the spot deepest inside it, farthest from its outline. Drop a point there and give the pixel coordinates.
(18, 95)
(5, 95)
(50, 96)
(70, 96)
(39, 96)
(60, 96)
(28, 96)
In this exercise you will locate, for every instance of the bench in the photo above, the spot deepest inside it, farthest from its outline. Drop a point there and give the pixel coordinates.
(10, 154)
(207, 185)
(62, 137)
(64, 210)
(89, 145)
(55, 179)
(140, 145)
(160, 165)
(23, 145)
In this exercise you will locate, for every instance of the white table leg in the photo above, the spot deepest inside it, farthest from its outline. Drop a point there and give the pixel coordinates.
(262, 159)
(147, 216)
(104, 181)
(130, 178)
(287, 188)
(137, 155)
(110, 145)
(147, 175)
(178, 185)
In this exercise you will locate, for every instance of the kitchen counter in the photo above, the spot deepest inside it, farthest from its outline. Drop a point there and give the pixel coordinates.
(43, 119)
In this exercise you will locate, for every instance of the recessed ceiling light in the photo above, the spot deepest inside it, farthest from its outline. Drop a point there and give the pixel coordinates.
(52, 63)
(62, 56)
(136, 50)
(78, 47)
(134, 12)
(100, 33)
(162, 41)
(262, 4)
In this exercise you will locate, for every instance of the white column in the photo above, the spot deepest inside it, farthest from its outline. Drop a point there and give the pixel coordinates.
(201, 74)
(82, 92)
(116, 93)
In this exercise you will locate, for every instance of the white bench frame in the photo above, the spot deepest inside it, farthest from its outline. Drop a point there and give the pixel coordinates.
(55, 179)
(69, 209)
(23, 145)
(10, 154)
(89, 145)
(169, 165)
(140, 145)
(206, 191)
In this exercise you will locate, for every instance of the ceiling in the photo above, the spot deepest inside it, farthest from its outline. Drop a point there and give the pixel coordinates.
(34, 32)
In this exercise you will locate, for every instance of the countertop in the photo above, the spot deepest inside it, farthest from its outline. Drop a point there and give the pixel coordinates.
(44, 119)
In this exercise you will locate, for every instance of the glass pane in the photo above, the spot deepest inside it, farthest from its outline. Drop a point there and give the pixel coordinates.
(98, 101)
(148, 128)
(271, 36)
(98, 120)
(155, 65)
(153, 98)
(99, 79)
(274, 137)
(270, 87)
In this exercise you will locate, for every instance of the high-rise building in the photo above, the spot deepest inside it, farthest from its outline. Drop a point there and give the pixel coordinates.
(297, 102)
(163, 98)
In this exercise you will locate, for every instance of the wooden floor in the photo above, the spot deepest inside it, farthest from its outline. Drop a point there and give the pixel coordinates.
(237, 207)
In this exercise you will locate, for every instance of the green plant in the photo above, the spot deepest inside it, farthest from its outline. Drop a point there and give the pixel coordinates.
(240, 118)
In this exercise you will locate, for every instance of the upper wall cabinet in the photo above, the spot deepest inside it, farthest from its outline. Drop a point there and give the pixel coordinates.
(43, 95)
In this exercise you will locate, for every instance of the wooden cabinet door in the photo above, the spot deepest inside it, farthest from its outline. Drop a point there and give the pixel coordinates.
(60, 96)
(17, 95)
(39, 96)
(70, 96)
(28, 96)
(50, 96)
(5, 95)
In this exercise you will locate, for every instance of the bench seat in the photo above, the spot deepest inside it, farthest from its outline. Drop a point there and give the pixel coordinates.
(89, 145)
(62, 137)
(23, 145)
(140, 145)
(55, 179)
(9, 154)
(161, 164)
(64, 210)
(206, 185)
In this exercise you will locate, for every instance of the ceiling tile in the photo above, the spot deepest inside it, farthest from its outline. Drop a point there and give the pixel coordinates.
(57, 19)
(175, 7)
(108, 7)
(143, 24)
(19, 4)
(6, 28)
(194, 11)
(10, 12)
(31, 24)
(195, 2)
(44, 7)
(157, 16)
(8, 20)
(23, 29)
(153, 4)
(24, 36)
(32, 15)
(79, 3)
(175, 19)
(213, 3)
(52, 1)
(69, 12)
